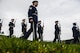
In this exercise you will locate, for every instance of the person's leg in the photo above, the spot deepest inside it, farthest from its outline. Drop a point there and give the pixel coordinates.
(28, 32)
(77, 40)
(0, 29)
(41, 37)
(38, 36)
(59, 38)
(35, 31)
(74, 39)
(10, 33)
(24, 32)
(55, 37)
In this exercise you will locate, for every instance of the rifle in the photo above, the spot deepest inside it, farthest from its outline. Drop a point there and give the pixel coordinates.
(14, 22)
(59, 33)
(42, 31)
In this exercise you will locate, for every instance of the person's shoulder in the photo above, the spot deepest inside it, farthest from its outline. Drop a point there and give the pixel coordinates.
(10, 22)
(22, 23)
(30, 7)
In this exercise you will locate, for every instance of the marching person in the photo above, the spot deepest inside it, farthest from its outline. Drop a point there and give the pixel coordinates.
(0, 25)
(40, 30)
(33, 20)
(24, 26)
(57, 31)
(11, 27)
(75, 31)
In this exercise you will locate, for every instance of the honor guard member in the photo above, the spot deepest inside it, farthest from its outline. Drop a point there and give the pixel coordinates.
(24, 26)
(40, 30)
(33, 20)
(0, 25)
(75, 31)
(57, 31)
(11, 27)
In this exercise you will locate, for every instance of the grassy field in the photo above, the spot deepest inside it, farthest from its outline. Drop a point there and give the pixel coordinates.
(16, 45)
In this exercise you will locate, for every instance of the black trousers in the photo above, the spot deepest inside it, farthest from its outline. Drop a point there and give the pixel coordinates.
(40, 36)
(10, 33)
(76, 40)
(24, 31)
(56, 37)
(0, 29)
(31, 30)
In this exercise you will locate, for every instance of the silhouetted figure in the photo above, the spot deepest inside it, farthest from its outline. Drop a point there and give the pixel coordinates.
(11, 27)
(57, 32)
(0, 25)
(24, 26)
(75, 31)
(33, 20)
(40, 30)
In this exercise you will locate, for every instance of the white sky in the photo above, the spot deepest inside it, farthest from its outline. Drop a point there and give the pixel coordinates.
(66, 11)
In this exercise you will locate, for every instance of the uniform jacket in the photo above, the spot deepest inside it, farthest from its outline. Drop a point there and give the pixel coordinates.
(57, 29)
(75, 31)
(11, 25)
(33, 13)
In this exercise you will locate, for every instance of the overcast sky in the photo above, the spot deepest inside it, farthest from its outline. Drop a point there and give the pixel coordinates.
(66, 11)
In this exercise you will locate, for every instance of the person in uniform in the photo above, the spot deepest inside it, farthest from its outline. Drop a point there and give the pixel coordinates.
(40, 30)
(11, 27)
(0, 25)
(75, 31)
(33, 20)
(24, 26)
(57, 31)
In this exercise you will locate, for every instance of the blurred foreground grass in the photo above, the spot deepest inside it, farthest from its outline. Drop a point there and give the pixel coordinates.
(16, 45)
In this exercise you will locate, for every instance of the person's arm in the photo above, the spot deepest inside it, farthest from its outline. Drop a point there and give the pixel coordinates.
(30, 14)
(55, 27)
(9, 24)
(13, 24)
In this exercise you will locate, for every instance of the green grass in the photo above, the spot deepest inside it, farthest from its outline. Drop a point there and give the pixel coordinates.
(16, 45)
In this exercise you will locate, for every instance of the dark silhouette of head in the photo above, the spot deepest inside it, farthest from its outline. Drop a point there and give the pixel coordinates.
(35, 3)
(56, 22)
(39, 22)
(74, 23)
(12, 20)
(23, 20)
